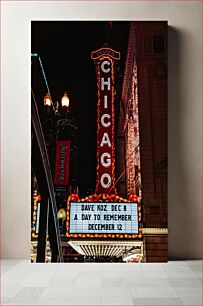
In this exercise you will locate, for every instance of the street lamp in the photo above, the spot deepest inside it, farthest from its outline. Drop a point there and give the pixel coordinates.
(47, 100)
(65, 101)
(60, 135)
(59, 126)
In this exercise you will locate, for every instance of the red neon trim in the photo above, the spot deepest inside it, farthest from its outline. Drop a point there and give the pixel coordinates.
(105, 55)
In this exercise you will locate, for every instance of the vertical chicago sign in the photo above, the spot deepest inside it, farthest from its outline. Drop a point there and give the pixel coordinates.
(104, 59)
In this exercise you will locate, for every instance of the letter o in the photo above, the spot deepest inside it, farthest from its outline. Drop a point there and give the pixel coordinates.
(106, 163)
(102, 66)
(105, 185)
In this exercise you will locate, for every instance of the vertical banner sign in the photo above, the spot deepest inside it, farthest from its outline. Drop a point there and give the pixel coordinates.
(61, 176)
(104, 59)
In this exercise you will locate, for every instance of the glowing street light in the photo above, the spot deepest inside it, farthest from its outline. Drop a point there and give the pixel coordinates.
(65, 101)
(47, 100)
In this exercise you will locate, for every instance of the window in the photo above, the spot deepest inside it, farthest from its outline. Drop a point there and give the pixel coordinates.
(158, 44)
(147, 44)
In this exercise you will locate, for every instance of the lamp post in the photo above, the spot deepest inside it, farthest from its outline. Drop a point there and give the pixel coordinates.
(56, 120)
(61, 132)
(59, 128)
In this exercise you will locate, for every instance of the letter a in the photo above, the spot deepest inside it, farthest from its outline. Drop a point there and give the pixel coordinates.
(105, 140)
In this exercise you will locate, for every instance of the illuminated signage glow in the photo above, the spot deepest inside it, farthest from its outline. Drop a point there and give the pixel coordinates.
(104, 59)
(105, 51)
(37, 221)
(102, 218)
(36, 215)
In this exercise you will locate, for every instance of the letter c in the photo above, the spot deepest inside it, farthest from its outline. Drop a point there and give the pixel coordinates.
(102, 66)
(102, 120)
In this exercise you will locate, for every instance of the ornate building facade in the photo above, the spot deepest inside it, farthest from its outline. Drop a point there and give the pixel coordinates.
(142, 132)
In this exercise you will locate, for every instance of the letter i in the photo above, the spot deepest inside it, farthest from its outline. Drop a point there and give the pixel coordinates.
(105, 102)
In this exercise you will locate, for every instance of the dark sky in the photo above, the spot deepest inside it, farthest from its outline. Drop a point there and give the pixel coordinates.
(65, 49)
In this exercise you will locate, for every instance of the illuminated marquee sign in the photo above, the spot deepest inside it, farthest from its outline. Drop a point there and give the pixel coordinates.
(103, 216)
(36, 215)
(104, 59)
(104, 52)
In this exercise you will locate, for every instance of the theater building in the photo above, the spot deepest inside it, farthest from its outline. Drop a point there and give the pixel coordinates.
(135, 168)
(142, 133)
(125, 218)
(105, 225)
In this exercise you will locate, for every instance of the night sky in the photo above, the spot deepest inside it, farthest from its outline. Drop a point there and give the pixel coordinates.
(65, 49)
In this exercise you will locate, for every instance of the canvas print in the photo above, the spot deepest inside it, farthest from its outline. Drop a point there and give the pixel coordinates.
(99, 141)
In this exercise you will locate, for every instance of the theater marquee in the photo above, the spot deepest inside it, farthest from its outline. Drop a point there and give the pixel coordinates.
(103, 216)
(100, 218)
